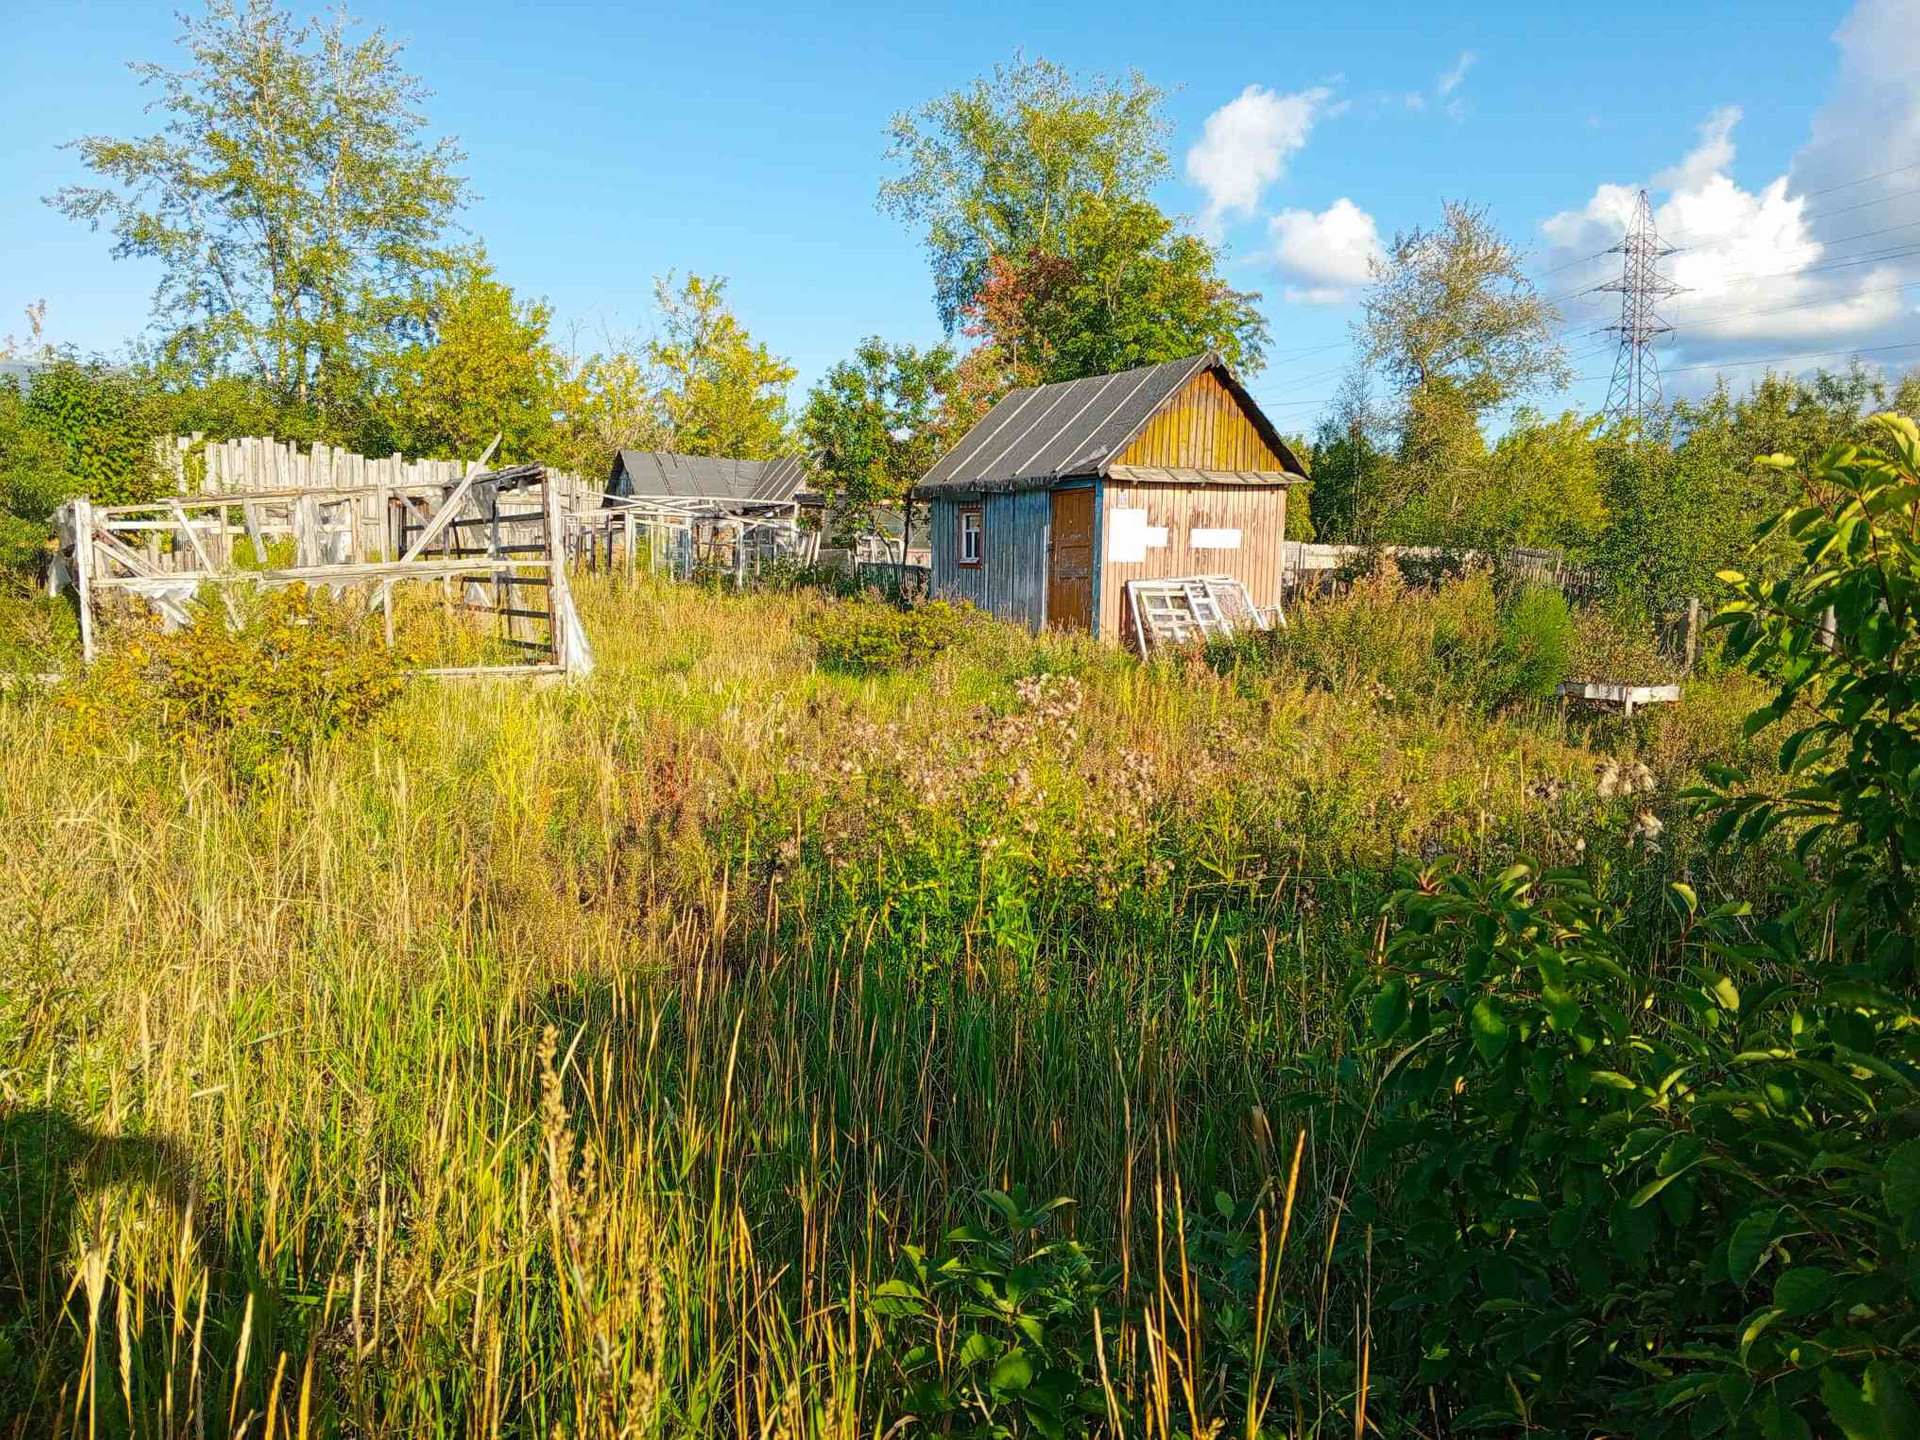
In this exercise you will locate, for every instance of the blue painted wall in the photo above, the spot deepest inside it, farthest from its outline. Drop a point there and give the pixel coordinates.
(1011, 581)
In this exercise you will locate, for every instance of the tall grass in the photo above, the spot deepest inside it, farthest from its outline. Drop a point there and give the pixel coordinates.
(597, 1062)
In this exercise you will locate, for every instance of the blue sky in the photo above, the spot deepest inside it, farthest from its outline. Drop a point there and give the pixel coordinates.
(747, 140)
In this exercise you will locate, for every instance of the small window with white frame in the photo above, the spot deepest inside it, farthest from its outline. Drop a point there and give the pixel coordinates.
(972, 535)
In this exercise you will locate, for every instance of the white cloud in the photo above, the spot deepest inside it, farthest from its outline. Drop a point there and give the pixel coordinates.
(1246, 146)
(1706, 160)
(1874, 113)
(1328, 253)
(1765, 268)
(1451, 77)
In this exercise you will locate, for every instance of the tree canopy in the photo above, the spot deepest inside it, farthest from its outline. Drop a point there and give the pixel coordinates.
(294, 199)
(874, 425)
(483, 365)
(721, 392)
(1033, 192)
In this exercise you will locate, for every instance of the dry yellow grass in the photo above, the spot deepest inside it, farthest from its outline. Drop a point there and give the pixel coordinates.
(579, 1062)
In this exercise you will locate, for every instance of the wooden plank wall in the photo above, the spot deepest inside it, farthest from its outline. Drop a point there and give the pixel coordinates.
(1011, 582)
(1259, 513)
(1202, 428)
(263, 463)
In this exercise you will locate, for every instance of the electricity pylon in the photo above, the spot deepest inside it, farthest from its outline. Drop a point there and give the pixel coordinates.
(1635, 391)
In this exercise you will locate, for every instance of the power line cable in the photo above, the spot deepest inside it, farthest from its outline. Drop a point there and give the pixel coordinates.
(1849, 184)
(1775, 359)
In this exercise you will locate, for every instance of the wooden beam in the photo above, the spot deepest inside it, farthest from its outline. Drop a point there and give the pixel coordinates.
(451, 508)
(206, 562)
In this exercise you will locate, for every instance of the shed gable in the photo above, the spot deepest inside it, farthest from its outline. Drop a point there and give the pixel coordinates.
(1202, 426)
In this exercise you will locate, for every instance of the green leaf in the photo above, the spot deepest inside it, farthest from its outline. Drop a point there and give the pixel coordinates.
(977, 1350)
(1561, 1009)
(1755, 1328)
(1632, 1230)
(896, 1298)
(1684, 893)
(1903, 1184)
(1489, 1029)
(1682, 1154)
(1013, 1373)
(1881, 1410)
(1647, 1191)
(1390, 1009)
(1748, 1244)
(1776, 1418)
(1801, 1290)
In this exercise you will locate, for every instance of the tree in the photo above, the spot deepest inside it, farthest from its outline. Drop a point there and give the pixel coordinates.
(1136, 291)
(874, 426)
(1353, 473)
(1456, 326)
(1453, 307)
(1003, 166)
(1675, 517)
(1543, 486)
(1034, 194)
(293, 199)
(721, 392)
(607, 404)
(484, 367)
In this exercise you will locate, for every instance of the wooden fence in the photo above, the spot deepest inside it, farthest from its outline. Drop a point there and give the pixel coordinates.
(1317, 566)
(199, 466)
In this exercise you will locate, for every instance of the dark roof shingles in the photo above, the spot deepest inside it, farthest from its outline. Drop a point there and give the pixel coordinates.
(688, 477)
(1068, 428)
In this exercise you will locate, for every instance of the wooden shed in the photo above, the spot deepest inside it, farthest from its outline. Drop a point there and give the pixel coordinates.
(661, 475)
(1065, 492)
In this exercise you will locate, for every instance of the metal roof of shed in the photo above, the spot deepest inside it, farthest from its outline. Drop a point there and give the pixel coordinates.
(705, 477)
(1038, 434)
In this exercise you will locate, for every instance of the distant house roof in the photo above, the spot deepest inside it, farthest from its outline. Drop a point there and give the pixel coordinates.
(1043, 433)
(662, 474)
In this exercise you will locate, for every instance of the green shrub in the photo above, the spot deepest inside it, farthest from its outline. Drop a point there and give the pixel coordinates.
(1458, 644)
(868, 637)
(1535, 649)
(1641, 1174)
(38, 634)
(33, 480)
(101, 423)
(1655, 1172)
(298, 667)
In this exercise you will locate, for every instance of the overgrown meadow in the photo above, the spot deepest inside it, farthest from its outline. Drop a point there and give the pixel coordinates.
(729, 1045)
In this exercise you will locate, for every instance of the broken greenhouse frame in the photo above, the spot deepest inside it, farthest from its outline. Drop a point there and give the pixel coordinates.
(489, 544)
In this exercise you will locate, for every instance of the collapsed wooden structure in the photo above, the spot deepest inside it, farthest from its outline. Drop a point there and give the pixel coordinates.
(491, 543)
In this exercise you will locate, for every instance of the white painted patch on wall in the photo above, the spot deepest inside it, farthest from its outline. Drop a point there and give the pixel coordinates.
(1126, 536)
(1156, 537)
(1216, 539)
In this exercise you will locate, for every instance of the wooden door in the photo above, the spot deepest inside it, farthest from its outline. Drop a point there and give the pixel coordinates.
(1070, 561)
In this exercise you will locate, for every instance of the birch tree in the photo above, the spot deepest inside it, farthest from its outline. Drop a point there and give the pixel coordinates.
(293, 196)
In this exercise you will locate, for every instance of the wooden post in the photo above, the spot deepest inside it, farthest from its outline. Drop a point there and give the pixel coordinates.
(83, 574)
(559, 598)
(1693, 631)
